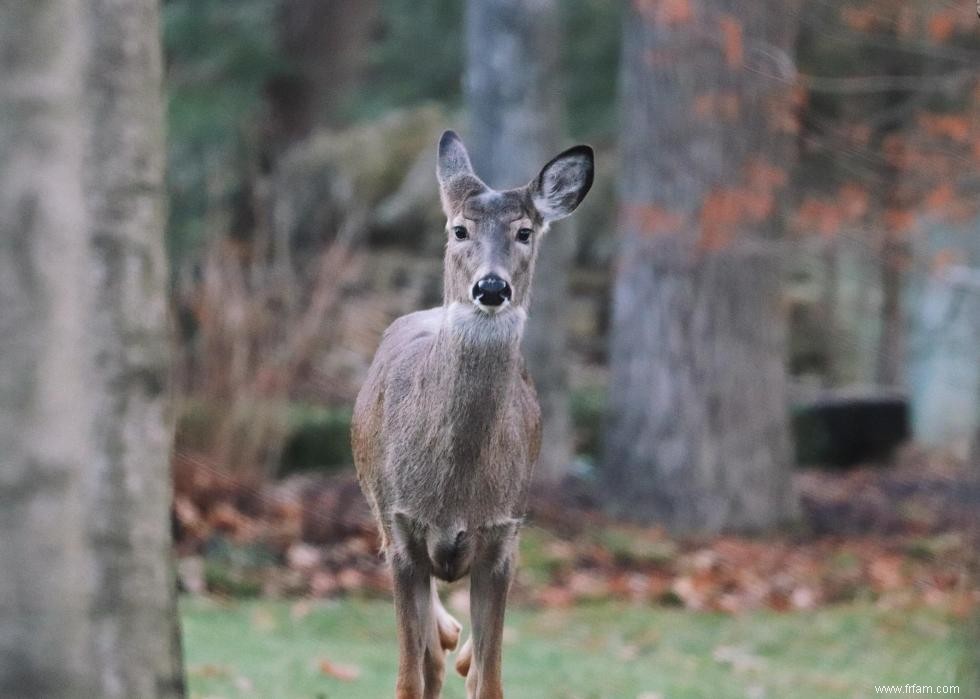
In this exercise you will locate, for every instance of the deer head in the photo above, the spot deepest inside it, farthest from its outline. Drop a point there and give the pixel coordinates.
(493, 235)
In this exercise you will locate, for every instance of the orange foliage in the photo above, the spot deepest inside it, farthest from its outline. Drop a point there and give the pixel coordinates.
(719, 216)
(899, 220)
(942, 25)
(941, 197)
(731, 32)
(725, 208)
(669, 12)
(762, 174)
(783, 108)
(724, 105)
(652, 220)
(819, 215)
(827, 216)
(860, 19)
(955, 127)
(757, 205)
(945, 258)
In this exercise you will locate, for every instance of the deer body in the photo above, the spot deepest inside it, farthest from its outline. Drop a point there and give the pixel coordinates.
(446, 428)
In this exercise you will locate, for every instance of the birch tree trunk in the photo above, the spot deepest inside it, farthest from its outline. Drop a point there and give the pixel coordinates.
(45, 574)
(134, 614)
(513, 98)
(86, 590)
(698, 435)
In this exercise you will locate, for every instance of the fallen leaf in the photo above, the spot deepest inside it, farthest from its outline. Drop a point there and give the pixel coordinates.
(210, 670)
(345, 673)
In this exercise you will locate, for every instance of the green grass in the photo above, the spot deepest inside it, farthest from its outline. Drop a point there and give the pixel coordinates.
(605, 651)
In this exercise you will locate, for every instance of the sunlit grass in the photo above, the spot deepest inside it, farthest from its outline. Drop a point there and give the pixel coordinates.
(605, 651)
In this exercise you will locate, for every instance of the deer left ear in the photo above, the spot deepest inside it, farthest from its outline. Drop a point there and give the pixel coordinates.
(563, 183)
(455, 173)
(453, 159)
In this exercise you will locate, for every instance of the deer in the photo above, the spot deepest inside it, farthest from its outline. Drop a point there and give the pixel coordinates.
(447, 427)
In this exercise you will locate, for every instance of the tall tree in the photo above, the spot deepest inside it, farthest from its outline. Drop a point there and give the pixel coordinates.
(513, 100)
(86, 590)
(46, 437)
(128, 483)
(324, 46)
(698, 436)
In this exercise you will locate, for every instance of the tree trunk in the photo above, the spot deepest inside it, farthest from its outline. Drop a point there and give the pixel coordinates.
(514, 106)
(324, 43)
(86, 590)
(136, 646)
(698, 433)
(44, 417)
(896, 115)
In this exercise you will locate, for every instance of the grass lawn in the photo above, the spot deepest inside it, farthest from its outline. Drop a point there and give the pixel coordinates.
(273, 650)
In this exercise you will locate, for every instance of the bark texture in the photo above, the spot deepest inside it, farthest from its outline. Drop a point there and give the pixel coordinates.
(86, 591)
(133, 615)
(698, 431)
(514, 102)
(324, 43)
(45, 574)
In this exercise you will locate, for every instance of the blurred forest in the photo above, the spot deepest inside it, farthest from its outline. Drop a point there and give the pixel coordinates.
(303, 214)
(764, 319)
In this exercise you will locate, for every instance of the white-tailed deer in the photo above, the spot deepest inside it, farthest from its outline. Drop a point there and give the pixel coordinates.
(446, 428)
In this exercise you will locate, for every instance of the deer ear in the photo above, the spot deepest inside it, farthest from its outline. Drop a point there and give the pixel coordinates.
(455, 173)
(563, 183)
(453, 159)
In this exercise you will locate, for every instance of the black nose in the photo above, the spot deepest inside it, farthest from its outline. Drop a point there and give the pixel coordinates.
(491, 290)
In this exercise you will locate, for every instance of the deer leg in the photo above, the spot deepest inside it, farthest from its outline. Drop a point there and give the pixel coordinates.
(443, 635)
(413, 609)
(490, 581)
(414, 617)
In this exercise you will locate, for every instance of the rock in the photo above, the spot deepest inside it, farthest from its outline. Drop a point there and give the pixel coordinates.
(847, 427)
(373, 180)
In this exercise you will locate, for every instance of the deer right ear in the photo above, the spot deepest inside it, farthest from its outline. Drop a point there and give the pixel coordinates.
(563, 183)
(455, 172)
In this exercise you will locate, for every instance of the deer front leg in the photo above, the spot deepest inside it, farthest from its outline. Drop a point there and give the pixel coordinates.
(414, 613)
(490, 581)
(442, 635)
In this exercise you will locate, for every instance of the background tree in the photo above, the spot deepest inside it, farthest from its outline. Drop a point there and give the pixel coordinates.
(698, 435)
(513, 101)
(86, 587)
(323, 45)
(127, 482)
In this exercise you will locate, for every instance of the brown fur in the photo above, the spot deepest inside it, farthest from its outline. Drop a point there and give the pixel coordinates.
(446, 428)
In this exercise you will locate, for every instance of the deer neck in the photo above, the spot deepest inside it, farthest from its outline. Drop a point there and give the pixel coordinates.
(476, 360)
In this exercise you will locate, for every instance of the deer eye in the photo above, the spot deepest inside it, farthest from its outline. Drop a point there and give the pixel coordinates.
(524, 235)
(460, 232)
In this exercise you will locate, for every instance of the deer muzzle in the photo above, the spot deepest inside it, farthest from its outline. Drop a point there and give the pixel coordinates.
(492, 291)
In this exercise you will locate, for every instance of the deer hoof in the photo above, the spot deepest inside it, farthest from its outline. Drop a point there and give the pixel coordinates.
(464, 657)
(449, 630)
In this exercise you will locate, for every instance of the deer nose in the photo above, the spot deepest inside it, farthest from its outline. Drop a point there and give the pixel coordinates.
(491, 291)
